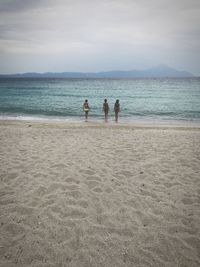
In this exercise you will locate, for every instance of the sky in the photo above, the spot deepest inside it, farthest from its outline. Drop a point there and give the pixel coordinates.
(98, 35)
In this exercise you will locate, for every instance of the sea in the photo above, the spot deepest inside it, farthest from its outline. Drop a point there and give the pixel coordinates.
(149, 99)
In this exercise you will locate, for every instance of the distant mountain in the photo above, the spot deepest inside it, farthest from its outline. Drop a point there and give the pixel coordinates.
(155, 72)
(165, 71)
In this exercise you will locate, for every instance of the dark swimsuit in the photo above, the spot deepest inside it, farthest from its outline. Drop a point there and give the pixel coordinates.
(116, 107)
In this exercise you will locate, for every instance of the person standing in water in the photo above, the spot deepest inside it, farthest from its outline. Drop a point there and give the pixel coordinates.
(86, 108)
(117, 110)
(106, 109)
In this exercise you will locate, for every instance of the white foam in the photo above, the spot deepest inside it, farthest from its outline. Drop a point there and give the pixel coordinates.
(122, 120)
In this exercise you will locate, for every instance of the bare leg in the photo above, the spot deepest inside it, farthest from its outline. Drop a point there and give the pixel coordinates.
(106, 117)
(86, 116)
(116, 116)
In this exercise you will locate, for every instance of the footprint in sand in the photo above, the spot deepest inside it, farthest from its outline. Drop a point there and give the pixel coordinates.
(188, 201)
(193, 242)
(23, 210)
(58, 166)
(97, 190)
(148, 194)
(91, 184)
(11, 176)
(168, 185)
(40, 191)
(13, 229)
(94, 178)
(83, 203)
(181, 229)
(72, 181)
(75, 194)
(70, 212)
(124, 173)
(54, 187)
(89, 172)
(108, 190)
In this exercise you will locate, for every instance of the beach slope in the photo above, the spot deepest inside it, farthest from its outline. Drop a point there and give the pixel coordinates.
(99, 195)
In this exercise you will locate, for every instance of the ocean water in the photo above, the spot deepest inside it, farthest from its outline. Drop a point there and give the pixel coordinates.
(173, 99)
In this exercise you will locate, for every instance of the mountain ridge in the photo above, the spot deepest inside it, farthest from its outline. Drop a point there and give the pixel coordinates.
(154, 72)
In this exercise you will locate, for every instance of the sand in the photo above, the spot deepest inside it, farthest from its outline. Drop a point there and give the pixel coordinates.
(87, 194)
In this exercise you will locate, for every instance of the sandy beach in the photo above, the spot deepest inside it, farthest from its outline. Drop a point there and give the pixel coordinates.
(88, 194)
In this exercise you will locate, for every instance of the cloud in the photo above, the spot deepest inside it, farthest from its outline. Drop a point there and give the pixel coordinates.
(10, 6)
(111, 32)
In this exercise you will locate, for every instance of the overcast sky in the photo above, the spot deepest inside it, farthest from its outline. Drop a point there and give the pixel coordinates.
(98, 35)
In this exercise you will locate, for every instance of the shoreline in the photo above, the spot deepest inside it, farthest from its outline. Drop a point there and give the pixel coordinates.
(100, 120)
(102, 124)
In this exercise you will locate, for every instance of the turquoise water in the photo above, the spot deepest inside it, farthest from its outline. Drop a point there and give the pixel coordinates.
(140, 99)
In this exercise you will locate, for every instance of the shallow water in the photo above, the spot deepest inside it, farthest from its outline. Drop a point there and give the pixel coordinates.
(140, 99)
